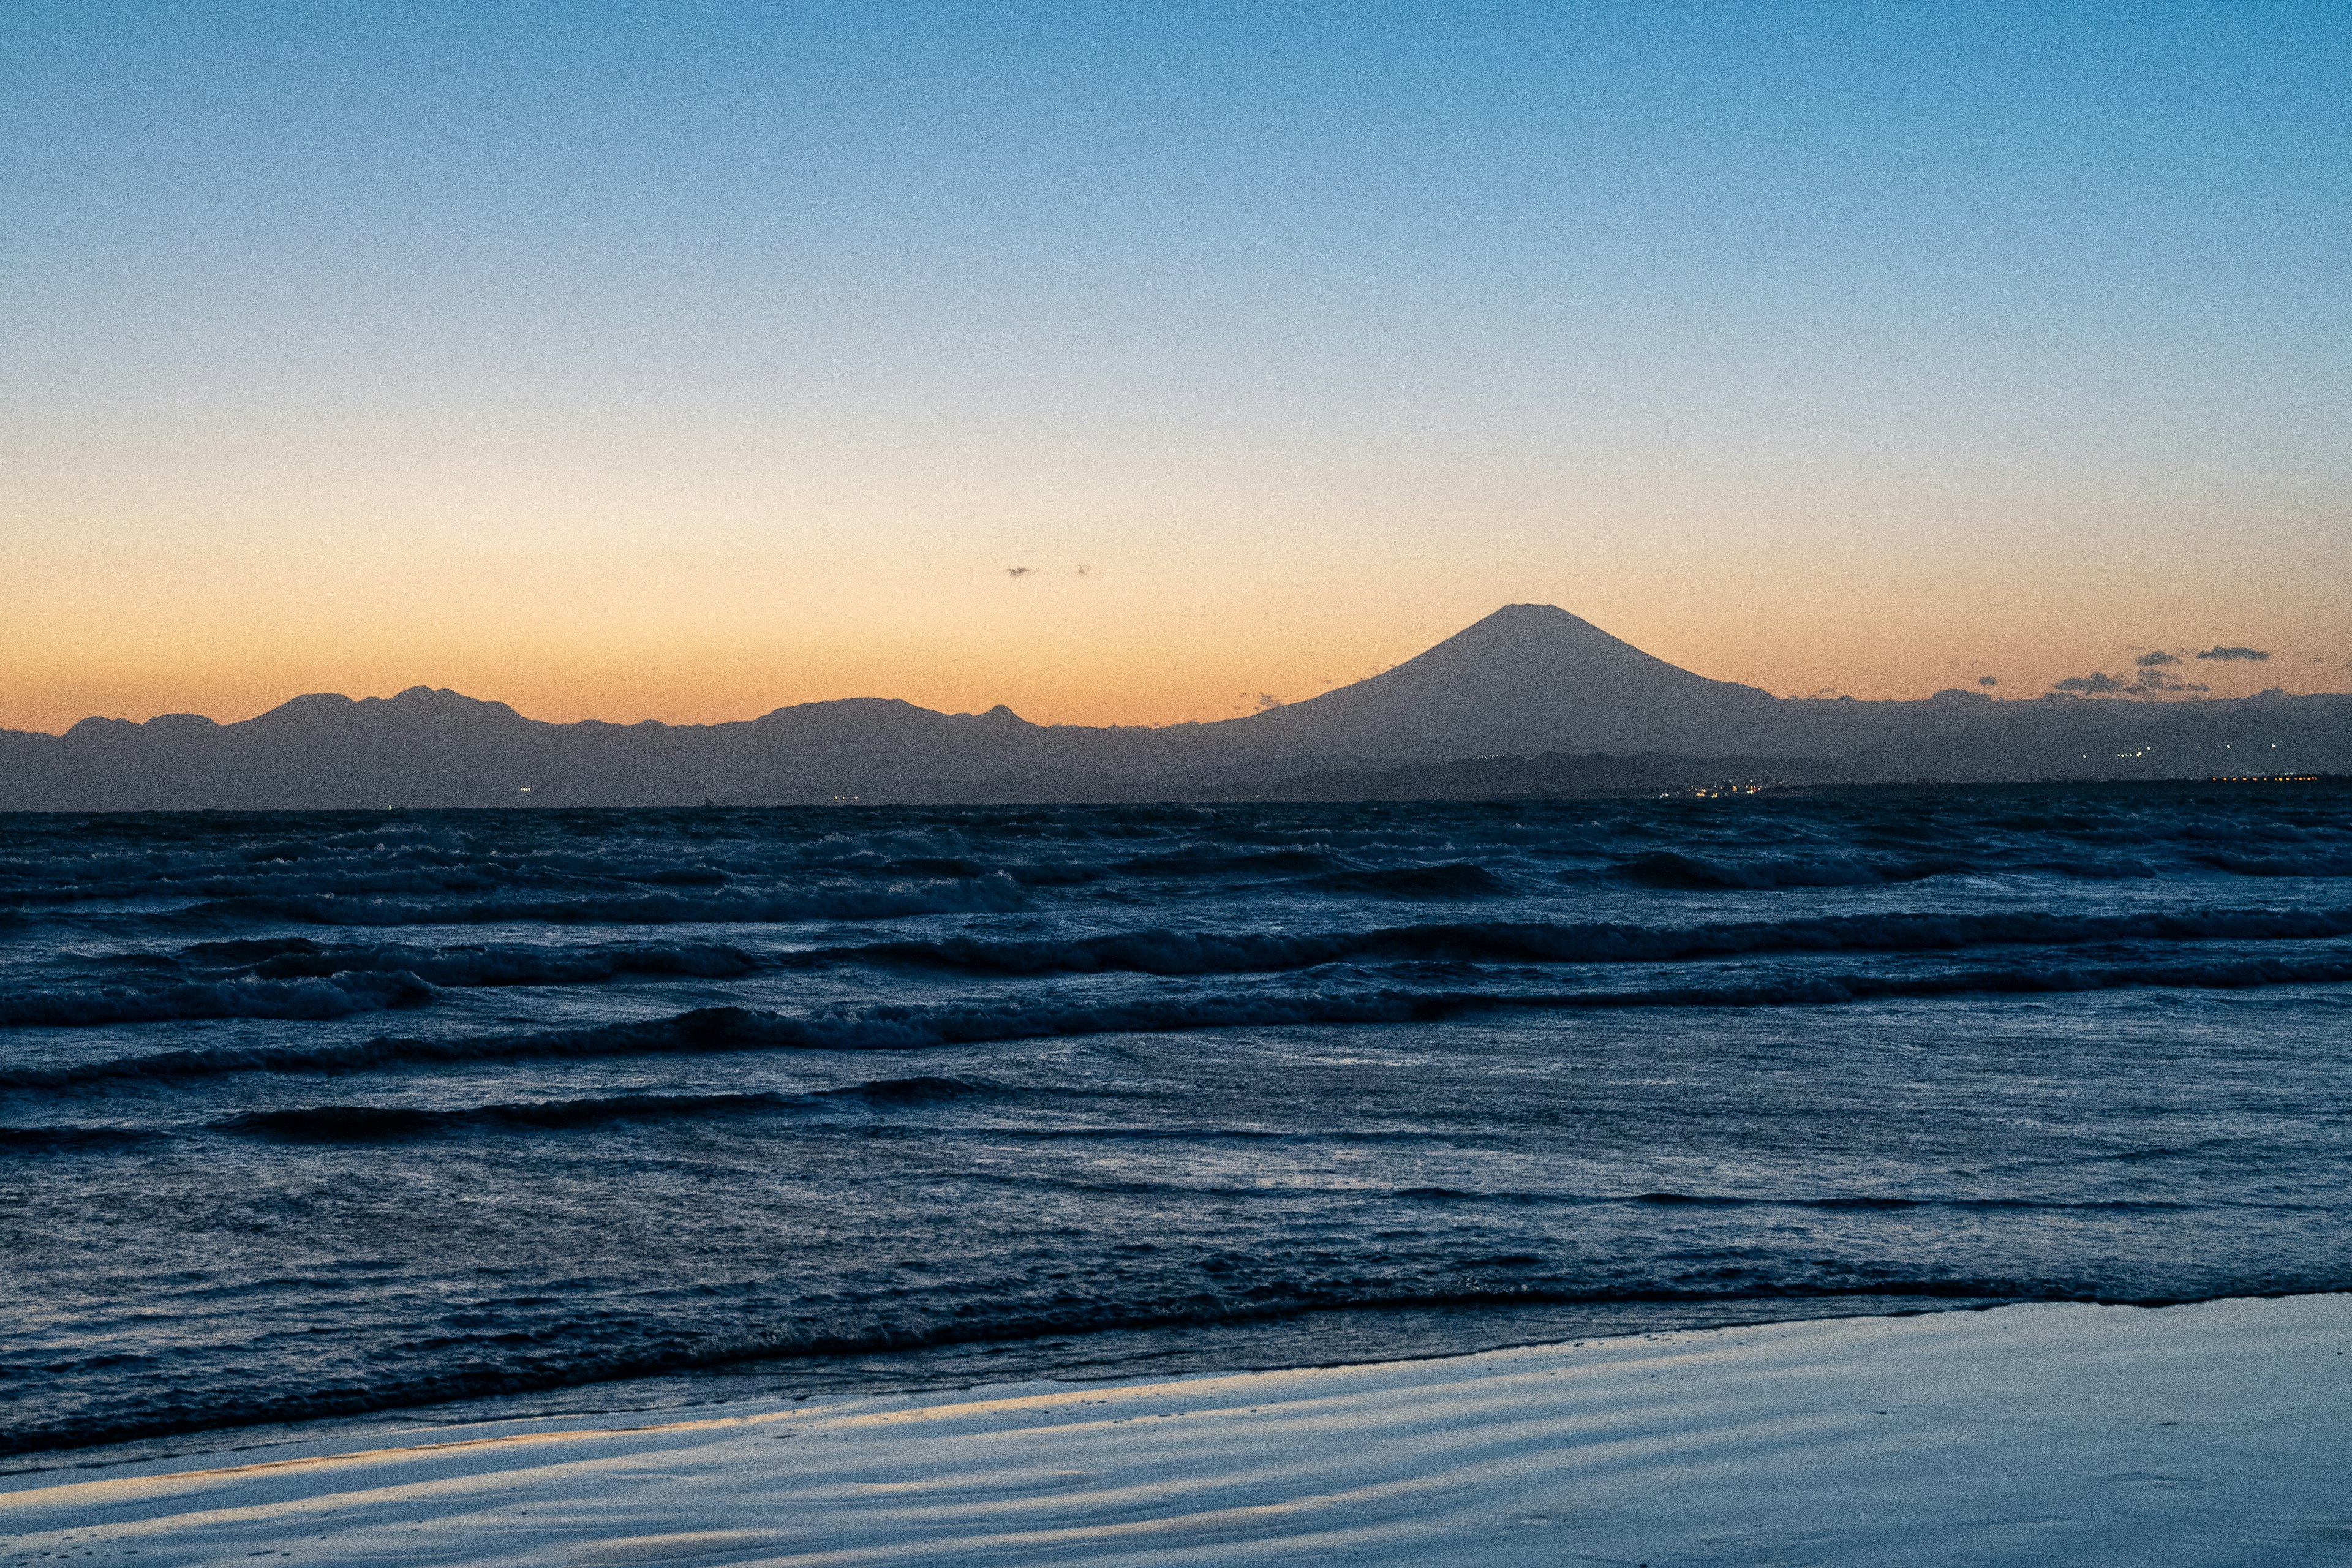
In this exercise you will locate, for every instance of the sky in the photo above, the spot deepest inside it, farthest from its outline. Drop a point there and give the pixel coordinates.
(682, 360)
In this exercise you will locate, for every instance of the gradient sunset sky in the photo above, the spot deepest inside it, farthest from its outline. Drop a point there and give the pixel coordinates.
(683, 360)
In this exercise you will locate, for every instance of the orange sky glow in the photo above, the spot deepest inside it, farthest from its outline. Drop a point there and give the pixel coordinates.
(690, 369)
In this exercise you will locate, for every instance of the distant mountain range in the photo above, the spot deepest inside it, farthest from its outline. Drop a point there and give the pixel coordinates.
(1531, 701)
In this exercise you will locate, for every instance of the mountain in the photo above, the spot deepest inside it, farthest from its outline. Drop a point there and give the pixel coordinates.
(1530, 681)
(1528, 678)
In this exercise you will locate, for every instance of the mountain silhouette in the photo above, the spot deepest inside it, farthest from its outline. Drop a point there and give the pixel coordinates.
(1529, 678)
(1578, 709)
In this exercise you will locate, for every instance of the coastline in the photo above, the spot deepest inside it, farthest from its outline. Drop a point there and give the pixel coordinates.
(2210, 1433)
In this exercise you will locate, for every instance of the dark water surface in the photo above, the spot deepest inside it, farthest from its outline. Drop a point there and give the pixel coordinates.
(309, 1115)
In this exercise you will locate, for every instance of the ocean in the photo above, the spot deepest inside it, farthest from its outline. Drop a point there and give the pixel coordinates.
(382, 1117)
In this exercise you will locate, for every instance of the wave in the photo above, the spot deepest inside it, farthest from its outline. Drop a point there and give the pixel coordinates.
(1671, 870)
(921, 1090)
(1461, 879)
(1475, 1284)
(384, 1123)
(1171, 953)
(994, 893)
(1201, 862)
(391, 1123)
(712, 1029)
(1880, 1205)
(277, 881)
(1724, 1201)
(919, 1028)
(334, 995)
(1680, 871)
(2319, 865)
(511, 964)
(249, 949)
(34, 1140)
(381, 1123)
(296, 979)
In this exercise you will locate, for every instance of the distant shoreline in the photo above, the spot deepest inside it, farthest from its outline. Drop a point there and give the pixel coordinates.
(1773, 791)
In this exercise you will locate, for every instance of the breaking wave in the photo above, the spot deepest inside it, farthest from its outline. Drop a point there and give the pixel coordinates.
(2307, 865)
(376, 1123)
(328, 996)
(994, 893)
(1174, 953)
(1461, 879)
(1671, 869)
(506, 964)
(302, 980)
(917, 1027)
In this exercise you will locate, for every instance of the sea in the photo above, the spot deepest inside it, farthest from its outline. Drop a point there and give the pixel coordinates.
(344, 1121)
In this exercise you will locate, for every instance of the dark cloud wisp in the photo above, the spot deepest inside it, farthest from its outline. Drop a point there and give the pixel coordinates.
(2151, 681)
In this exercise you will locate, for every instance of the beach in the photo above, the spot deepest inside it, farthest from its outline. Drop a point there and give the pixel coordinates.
(2215, 1433)
(899, 1186)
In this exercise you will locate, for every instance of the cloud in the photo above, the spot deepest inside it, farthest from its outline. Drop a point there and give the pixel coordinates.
(2150, 660)
(2250, 654)
(2094, 682)
(2151, 681)
(1988, 680)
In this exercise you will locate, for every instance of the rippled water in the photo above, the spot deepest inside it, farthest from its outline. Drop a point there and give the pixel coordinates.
(306, 1115)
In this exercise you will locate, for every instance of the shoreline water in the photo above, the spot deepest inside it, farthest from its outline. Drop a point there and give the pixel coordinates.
(1287, 1342)
(448, 1119)
(1355, 1337)
(2207, 1433)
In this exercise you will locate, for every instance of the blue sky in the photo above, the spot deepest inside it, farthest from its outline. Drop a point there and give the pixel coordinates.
(682, 360)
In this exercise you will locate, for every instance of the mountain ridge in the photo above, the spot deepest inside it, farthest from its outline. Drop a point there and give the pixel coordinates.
(1526, 679)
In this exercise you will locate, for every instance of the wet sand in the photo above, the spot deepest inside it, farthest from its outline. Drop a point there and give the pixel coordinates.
(2212, 1434)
